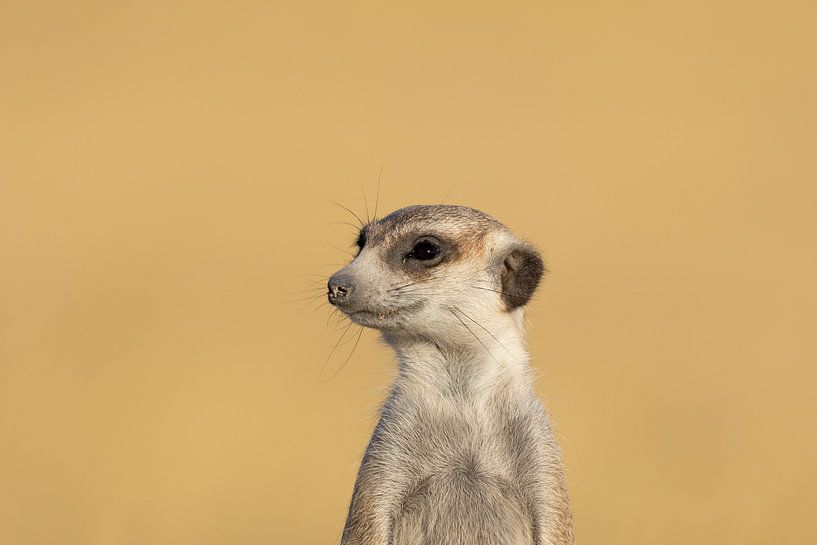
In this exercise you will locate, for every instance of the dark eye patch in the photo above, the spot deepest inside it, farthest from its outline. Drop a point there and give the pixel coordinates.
(361, 239)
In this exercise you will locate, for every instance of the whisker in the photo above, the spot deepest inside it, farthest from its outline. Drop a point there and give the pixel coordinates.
(393, 290)
(319, 300)
(474, 334)
(318, 287)
(489, 283)
(324, 302)
(345, 252)
(365, 203)
(352, 225)
(349, 210)
(332, 314)
(347, 341)
(415, 297)
(413, 289)
(488, 332)
(332, 265)
(339, 326)
(448, 193)
(307, 299)
(337, 321)
(406, 285)
(316, 280)
(419, 291)
(490, 289)
(342, 335)
(360, 334)
(377, 196)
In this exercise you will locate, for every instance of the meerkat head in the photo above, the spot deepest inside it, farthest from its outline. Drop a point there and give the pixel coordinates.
(434, 272)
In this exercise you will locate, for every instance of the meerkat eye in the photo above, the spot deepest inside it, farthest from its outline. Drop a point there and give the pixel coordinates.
(424, 250)
(361, 240)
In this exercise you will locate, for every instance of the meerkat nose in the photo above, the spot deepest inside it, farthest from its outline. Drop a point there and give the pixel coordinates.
(340, 288)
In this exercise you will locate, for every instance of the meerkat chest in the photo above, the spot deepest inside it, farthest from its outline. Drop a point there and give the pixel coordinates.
(456, 436)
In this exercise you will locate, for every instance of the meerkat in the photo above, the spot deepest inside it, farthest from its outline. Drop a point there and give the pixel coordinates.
(464, 452)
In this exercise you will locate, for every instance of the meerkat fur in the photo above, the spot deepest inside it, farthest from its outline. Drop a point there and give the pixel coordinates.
(464, 452)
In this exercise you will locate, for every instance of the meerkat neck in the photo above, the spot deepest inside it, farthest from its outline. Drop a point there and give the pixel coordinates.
(486, 359)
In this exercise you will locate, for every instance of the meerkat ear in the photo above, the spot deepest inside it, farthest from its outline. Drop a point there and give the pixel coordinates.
(522, 269)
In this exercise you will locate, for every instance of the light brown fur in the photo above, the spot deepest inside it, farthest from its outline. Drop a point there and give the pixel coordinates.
(464, 453)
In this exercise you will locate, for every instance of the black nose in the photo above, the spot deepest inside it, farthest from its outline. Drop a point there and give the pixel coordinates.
(340, 289)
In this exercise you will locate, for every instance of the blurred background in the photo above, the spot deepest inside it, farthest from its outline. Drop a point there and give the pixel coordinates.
(166, 178)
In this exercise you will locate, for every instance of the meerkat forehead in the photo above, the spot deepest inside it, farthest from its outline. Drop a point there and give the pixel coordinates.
(467, 225)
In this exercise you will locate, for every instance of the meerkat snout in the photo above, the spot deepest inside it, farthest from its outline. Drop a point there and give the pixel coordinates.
(340, 289)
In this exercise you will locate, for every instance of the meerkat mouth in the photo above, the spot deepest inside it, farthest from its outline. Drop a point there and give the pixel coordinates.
(370, 318)
(375, 314)
(381, 317)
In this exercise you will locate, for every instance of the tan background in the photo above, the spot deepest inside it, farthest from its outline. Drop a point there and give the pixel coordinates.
(165, 180)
